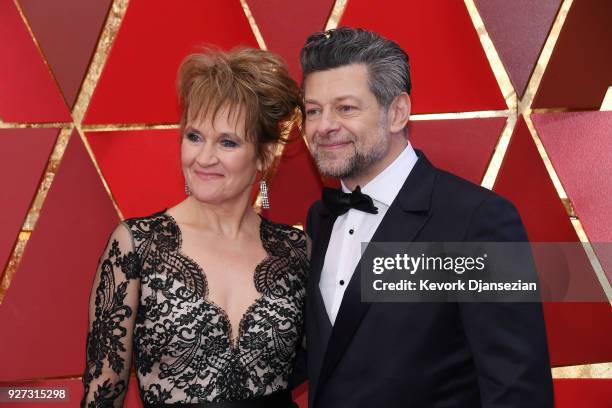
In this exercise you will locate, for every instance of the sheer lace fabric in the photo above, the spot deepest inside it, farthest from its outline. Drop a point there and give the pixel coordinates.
(151, 300)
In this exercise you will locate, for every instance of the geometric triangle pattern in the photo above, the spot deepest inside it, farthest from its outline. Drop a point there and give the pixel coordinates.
(580, 68)
(44, 313)
(524, 180)
(579, 146)
(518, 30)
(462, 146)
(286, 25)
(62, 25)
(137, 84)
(25, 152)
(290, 194)
(449, 68)
(142, 168)
(28, 92)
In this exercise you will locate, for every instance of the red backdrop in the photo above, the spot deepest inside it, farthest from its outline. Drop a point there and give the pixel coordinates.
(88, 135)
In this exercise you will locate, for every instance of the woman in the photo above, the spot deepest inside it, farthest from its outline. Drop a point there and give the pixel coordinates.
(207, 294)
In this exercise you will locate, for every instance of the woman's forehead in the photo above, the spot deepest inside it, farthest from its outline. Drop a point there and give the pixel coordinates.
(224, 119)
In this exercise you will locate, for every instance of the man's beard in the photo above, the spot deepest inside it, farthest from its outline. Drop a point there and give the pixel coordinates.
(354, 165)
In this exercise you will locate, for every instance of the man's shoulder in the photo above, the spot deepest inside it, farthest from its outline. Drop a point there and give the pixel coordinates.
(452, 191)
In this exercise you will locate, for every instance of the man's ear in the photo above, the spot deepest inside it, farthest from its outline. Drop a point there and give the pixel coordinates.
(399, 112)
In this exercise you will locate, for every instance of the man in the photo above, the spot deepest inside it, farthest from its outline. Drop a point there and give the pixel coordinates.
(356, 107)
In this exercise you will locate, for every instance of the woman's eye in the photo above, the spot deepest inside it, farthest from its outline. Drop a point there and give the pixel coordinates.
(228, 143)
(193, 137)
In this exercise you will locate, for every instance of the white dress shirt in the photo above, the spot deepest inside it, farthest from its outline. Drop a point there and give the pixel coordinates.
(354, 227)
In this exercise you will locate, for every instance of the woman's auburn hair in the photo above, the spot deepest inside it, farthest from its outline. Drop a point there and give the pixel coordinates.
(250, 82)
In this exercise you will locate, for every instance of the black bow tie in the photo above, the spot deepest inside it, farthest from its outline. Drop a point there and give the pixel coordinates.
(339, 202)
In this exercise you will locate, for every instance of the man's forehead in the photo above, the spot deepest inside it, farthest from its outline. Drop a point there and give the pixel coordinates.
(339, 98)
(340, 82)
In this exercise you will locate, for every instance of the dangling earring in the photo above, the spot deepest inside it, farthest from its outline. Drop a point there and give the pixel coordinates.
(263, 192)
(187, 190)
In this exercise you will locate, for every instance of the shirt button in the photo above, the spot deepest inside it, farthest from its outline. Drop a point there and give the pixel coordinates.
(351, 231)
(341, 282)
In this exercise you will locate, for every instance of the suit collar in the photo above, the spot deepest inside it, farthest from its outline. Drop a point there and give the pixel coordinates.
(415, 194)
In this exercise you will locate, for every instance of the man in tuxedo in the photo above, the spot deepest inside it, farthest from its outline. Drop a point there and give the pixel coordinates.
(359, 354)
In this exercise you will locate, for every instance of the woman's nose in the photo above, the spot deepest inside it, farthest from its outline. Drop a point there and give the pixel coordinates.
(207, 156)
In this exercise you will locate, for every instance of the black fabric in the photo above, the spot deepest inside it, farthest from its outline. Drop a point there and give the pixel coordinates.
(280, 399)
(412, 355)
(338, 202)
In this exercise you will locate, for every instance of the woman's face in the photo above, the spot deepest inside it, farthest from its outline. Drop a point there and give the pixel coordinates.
(218, 162)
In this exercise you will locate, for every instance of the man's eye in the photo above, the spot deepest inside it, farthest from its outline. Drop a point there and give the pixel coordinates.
(346, 108)
(193, 137)
(228, 143)
(311, 112)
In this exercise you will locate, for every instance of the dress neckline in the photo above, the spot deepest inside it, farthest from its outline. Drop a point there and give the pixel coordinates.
(234, 342)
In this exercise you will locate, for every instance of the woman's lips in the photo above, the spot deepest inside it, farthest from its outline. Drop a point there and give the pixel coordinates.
(205, 175)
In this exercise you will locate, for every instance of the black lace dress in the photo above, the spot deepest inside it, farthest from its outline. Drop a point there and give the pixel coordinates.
(153, 300)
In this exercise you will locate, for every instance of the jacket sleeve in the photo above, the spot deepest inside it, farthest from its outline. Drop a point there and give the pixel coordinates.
(112, 313)
(300, 368)
(508, 340)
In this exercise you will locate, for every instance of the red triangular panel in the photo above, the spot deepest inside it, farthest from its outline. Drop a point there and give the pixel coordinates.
(578, 333)
(44, 313)
(138, 81)
(461, 146)
(583, 392)
(27, 90)
(518, 30)
(285, 25)
(62, 25)
(580, 68)
(142, 168)
(296, 184)
(450, 71)
(579, 146)
(25, 152)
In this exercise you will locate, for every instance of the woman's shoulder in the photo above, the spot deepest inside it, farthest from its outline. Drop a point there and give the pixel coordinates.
(158, 223)
(286, 231)
(285, 240)
(155, 219)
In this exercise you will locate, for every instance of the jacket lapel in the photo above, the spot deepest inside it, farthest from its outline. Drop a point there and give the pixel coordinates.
(404, 219)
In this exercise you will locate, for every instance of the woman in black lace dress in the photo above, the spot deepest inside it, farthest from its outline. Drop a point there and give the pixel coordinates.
(207, 295)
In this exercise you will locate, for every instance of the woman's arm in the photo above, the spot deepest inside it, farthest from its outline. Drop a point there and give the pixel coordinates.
(112, 313)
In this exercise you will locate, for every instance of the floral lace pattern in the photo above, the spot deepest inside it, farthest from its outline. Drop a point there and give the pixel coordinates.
(184, 346)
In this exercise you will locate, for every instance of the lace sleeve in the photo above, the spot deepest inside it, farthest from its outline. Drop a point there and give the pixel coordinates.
(112, 314)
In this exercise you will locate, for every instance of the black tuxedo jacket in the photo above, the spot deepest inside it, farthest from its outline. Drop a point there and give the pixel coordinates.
(384, 355)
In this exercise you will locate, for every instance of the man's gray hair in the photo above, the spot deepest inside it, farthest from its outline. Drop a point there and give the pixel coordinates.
(386, 61)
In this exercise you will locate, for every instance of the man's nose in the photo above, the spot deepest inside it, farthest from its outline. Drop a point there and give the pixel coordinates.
(328, 122)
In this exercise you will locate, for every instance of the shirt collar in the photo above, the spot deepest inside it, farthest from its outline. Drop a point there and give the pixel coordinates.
(386, 185)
